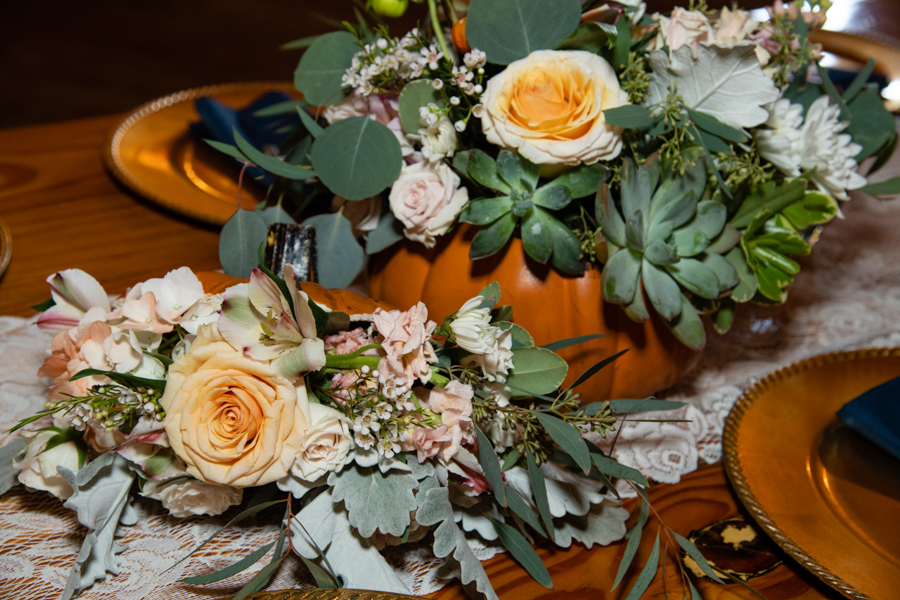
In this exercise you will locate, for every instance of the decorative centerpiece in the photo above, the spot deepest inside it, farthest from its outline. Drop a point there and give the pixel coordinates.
(378, 427)
(673, 165)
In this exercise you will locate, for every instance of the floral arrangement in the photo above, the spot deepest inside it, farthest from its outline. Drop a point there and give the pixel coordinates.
(693, 155)
(384, 428)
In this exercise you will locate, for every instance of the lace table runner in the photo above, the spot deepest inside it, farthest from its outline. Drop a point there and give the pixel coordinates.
(847, 294)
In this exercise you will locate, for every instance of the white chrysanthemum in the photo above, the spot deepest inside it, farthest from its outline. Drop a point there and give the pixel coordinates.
(782, 143)
(472, 329)
(438, 140)
(829, 151)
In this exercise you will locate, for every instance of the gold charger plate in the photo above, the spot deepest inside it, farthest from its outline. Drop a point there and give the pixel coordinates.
(852, 51)
(826, 495)
(152, 152)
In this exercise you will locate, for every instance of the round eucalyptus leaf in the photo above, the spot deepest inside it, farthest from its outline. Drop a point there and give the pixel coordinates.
(507, 30)
(357, 157)
(239, 242)
(321, 70)
(414, 96)
(339, 257)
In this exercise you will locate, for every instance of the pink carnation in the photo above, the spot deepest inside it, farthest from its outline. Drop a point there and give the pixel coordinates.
(406, 339)
(454, 404)
(347, 342)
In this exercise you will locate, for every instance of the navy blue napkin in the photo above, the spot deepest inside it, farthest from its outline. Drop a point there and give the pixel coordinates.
(876, 416)
(218, 121)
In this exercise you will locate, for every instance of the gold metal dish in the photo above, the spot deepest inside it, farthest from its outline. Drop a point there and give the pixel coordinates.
(152, 152)
(852, 51)
(826, 495)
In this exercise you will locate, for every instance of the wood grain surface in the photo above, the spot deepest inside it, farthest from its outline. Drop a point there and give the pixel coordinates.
(64, 211)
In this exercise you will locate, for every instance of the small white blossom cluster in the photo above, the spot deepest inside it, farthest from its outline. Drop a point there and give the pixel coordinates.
(491, 347)
(388, 62)
(109, 407)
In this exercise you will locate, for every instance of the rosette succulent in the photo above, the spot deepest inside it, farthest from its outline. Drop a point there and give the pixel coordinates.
(544, 236)
(662, 238)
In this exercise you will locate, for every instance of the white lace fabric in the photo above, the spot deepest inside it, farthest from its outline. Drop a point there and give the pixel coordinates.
(847, 294)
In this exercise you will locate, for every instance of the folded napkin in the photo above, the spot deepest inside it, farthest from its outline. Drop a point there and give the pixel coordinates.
(876, 416)
(218, 121)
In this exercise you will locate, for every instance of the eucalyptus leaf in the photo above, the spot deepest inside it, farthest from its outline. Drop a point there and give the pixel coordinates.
(321, 70)
(573, 341)
(519, 334)
(712, 125)
(539, 489)
(647, 573)
(645, 405)
(522, 551)
(239, 241)
(415, 95)
(312, 127)
(490, 464)
(388, 232)
(630, 116)
(595, 368)
(232, 569)
(507, 30)
(357, 157)
(634, 540)
(568, 437)
(339, 257)
(274, 165)
(591, 36)
(613, 468)
(275, 214)
(882, 188)
(689, 547)
(523, 510)
(535, 371)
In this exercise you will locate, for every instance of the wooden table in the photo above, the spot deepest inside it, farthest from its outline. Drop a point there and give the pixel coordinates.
(65, 211)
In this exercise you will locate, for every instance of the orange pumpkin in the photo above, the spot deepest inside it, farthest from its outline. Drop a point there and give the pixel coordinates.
(551, 306)
(343, 300)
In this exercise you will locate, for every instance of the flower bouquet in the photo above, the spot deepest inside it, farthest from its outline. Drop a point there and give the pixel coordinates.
(383, 427)
(691, 156)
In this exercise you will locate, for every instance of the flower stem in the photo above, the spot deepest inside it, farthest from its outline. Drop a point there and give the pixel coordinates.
(438, 379)
(349, 362)
(438, 31)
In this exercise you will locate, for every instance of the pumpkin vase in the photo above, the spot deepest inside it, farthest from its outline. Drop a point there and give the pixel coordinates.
(550, 305)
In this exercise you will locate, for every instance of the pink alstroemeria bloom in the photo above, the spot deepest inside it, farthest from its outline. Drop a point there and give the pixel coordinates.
(257, 319)
(75, 293)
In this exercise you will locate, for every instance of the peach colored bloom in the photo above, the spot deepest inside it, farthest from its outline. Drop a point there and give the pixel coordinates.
(232, 419)
(347, 342)
(454, 404)
(549, 108)
(405, 337)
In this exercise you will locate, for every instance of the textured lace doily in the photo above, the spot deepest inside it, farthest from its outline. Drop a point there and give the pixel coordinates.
(847, 294)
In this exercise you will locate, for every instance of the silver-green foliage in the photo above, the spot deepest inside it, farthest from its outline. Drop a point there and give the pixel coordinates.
(375, 500)
(662, 235)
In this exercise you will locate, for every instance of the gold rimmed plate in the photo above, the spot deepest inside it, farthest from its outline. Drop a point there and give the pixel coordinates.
(152, 152)
(827, 496)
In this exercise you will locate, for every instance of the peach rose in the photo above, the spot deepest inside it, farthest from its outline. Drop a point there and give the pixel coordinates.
(549, 107)
(232, 419)
(427, 198)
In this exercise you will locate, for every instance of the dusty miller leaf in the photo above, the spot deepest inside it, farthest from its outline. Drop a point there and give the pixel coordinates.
(604, 524)
(448, 538)
(375, 500)
(101, 502)
(7, 471)
(711, 82)
(353, 557)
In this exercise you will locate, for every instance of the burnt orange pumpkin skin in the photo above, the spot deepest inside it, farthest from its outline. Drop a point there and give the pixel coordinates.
(551, 306)
(343, 300)
(459, 35)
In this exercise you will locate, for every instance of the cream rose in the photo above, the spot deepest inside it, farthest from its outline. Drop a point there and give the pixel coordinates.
(549, 107)
(325, 446)
(232, 419)
(38, 467)
(427, 198)
(685, 28)
(192, 497)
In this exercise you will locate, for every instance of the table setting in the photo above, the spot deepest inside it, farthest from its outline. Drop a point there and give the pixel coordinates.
(596, 301)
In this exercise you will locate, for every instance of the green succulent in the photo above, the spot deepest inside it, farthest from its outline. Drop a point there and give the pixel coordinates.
(535, 209)
(663, 236)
